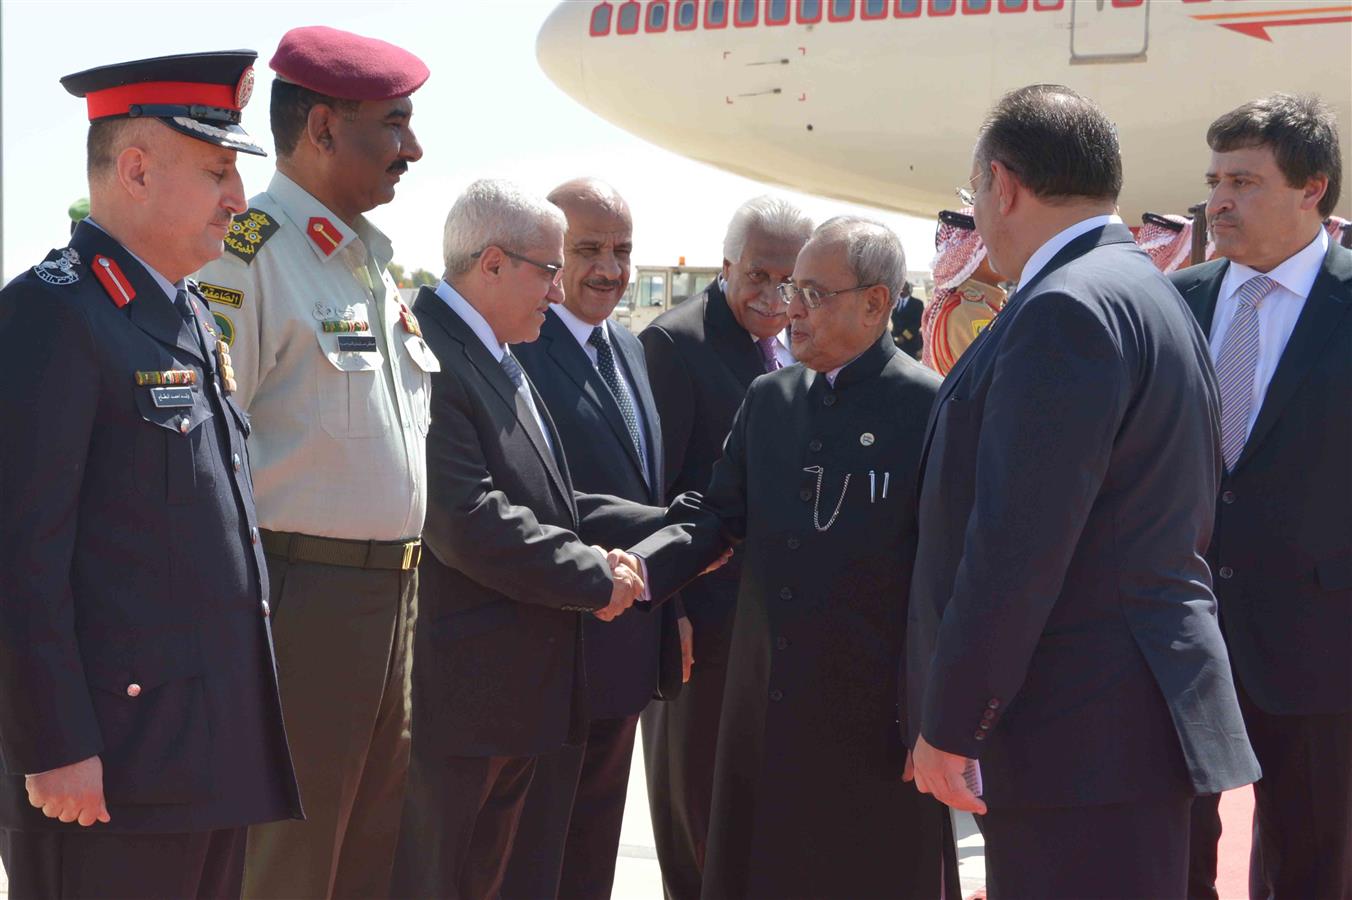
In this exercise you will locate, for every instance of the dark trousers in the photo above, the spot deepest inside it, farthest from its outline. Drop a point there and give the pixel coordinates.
(460, 820)
(101, 864)
(680, 738)
(569, 835)
(1127, 851)
(1302, 830)
(344, 641)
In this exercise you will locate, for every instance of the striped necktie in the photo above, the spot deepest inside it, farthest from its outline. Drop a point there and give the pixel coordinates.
(1237, 366)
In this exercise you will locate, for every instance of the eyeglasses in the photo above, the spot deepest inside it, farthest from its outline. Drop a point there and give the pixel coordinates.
(555, 270)
(967, 193)
(811, 297)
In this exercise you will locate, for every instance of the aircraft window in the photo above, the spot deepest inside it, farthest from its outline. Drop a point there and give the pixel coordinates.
(715, 13)
(1013, 5)
(874, 9)
(685, 14)
(809, 11)
(657, 16)
(907, 8)
(777, 13)
(746, 12)
(628, 18)
(841, 10)
(976, 7)
(942, 7)
(1048, 5)
(600, 20)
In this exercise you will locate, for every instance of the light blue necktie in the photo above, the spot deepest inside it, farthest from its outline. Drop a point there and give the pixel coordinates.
(1237, 365)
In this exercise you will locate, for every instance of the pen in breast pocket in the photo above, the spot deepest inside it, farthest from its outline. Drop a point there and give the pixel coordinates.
(887, 478)
(871, 483)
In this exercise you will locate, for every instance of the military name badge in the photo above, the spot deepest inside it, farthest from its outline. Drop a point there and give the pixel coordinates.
(356, 343)
(215, 293)
(171, 397)
(60, 270)
(248, 233)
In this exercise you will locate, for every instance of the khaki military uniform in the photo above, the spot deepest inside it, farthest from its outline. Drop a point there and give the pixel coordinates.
(334, 373)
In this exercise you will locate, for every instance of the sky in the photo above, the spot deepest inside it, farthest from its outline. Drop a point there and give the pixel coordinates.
(487, 111)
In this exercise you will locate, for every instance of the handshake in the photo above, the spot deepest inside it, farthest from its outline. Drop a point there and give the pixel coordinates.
(628, 586)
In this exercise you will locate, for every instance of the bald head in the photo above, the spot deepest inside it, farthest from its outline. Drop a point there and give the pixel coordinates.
(596, 248)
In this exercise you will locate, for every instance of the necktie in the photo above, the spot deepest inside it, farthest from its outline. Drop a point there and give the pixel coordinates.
(768, 357)
(605, 364)
(1237, 365)
(518, 377)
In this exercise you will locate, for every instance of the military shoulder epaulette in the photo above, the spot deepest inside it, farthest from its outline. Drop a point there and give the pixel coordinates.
(248, 233)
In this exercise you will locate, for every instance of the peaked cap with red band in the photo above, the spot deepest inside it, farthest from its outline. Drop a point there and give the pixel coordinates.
(197, 94)
(347, 66)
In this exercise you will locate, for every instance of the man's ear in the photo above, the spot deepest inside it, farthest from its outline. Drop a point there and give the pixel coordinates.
(132, 171)
(1005, 186)
(319, 127)
(1315, 189)
(727, 267)
(490, 263)
(878, 303)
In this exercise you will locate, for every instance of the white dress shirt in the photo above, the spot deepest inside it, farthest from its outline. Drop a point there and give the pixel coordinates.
(496, 348)
(1277, 314)
(581, 331)
(1038, 261)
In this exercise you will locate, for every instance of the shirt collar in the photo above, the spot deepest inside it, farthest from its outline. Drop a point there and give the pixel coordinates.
(170, 289)
(306, 212)
(580, 330)
(1296, 273)
(471, 317)
(1038, 261)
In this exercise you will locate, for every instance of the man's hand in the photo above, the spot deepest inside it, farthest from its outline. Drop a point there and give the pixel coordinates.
(72, 793)
(718, 563)
(939, 773)
(687, 633)
(626, 588)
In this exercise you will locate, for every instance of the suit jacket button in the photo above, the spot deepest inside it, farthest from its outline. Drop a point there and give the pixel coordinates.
(1227, 572)
(253, 535)
(1228, 497)
(993, 704)
(794, 543)
(985, 726)
(776, 695)
(829, 400)
(782, 643)
(267, 610)
(988, 716)
(235, 461)
(979, 736)
(805, 494)
(785, 594)
(814, 445)
(133, 690)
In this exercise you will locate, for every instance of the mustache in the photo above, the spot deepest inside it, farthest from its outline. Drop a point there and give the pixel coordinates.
(603, 284)
(398, 167)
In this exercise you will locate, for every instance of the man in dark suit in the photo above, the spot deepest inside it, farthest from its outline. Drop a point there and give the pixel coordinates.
(1063, 643)
(701, 357)
(499, 673)
(140, 725)
(906, 323)
(815, 486)
(1278, 311)
(594, 382)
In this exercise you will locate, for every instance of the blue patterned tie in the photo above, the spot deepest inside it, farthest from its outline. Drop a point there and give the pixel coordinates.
(1237, 365)
(605, 364)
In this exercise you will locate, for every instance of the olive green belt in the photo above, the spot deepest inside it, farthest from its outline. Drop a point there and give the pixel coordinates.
(399, 555)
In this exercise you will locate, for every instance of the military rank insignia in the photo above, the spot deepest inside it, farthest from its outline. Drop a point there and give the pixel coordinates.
(325, 234)
(248, 233)
(409, 321)
(215, 293)
(114, 281)
(60, 270)
(166, 377)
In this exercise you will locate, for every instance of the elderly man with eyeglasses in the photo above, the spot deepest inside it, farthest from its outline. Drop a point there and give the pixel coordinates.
(817, 486)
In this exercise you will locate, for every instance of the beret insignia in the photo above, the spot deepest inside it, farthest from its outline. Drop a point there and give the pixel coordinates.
(215, 293)
(248, 233)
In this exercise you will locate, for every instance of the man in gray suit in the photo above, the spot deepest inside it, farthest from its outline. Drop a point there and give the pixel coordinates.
(499, 676)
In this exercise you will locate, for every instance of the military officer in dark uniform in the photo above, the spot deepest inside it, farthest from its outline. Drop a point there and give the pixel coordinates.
(140, 726)
(817, 484)
(906, 322)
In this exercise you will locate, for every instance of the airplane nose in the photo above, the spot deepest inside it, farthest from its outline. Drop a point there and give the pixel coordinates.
(558, 47)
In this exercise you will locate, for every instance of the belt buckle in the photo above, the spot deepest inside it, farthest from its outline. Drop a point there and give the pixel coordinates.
(412, 554)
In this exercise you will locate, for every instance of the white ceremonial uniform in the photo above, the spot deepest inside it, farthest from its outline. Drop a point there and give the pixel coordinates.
(330, 366)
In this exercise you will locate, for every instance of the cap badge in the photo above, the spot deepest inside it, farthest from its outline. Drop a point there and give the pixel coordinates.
(326, 237)
(244, 89)
(60, 270)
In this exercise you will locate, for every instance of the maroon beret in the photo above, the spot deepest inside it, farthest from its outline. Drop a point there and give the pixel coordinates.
(347, 66)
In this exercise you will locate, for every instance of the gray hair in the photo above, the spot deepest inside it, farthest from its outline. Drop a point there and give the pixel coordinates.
(496, 213)
(772, 216)
(872, 250)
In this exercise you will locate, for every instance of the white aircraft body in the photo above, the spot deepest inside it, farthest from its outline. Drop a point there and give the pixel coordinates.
(878, 101)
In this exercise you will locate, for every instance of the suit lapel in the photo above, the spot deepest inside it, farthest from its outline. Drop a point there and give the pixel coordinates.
(1329, 301)
(564, 349)
(492, 372)
(1203, 295)
(732, 343)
